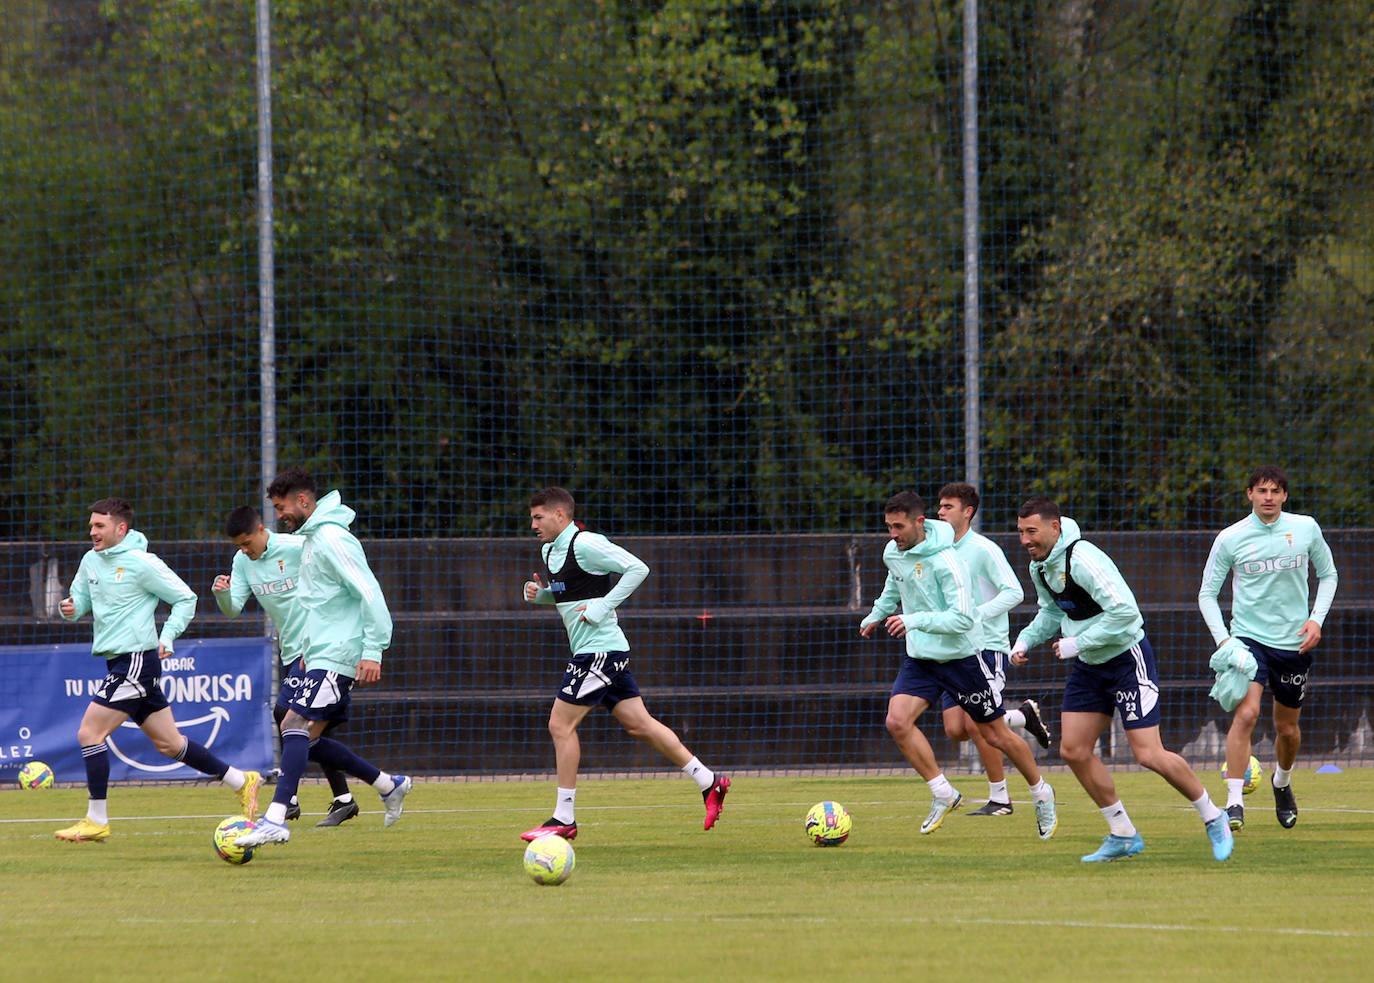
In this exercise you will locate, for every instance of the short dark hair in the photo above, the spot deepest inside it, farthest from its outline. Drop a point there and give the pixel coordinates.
(908, 502)
(1267, 472)
(290, 481)
(117, 509)
(554, 497)
(963, 491)
(1043, 507)
(243, 521)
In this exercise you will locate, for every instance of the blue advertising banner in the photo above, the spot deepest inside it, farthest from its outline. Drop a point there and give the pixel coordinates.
(219, 689)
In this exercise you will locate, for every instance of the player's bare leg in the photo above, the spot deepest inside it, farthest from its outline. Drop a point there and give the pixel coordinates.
(634, 716)
(999, 735)
(1286, 744)
(903, 710)
(1078, 734)
(564, 719)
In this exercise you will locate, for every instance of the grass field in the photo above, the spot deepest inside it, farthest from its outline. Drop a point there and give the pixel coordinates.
(442, 894)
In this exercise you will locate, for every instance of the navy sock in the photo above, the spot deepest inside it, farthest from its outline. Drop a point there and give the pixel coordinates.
(97, 761)
(329, 753)
(198, 757)
(295, 755)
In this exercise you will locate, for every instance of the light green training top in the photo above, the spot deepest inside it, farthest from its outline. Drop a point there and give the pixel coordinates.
(121, 587)
(995, 587)
(932, 587)
(271, 578)
(1102, 637)
(1269, 565)
(346, 617)
(596, 629)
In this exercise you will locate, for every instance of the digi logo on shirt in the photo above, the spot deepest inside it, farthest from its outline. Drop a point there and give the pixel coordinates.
(1275, 564)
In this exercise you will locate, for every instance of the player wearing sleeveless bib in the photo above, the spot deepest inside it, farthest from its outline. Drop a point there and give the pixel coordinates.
(1084, 599)
(579, 566)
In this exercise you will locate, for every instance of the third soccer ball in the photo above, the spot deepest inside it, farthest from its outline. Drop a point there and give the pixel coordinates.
(226, 839)
(549, 859)
(1253, 774)
(35, 774)
(828, 824)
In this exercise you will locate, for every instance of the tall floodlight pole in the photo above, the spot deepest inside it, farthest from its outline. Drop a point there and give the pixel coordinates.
(267, 328)
(973, 345)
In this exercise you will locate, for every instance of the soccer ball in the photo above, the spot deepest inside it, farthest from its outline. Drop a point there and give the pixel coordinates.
(1253, 774)
(549, 859)
(226, 840)
(35, 774)
(828, 824)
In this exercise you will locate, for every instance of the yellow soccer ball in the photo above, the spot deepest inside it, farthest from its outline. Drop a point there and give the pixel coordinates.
(828, 824)
(1253, 774)
(226, 839)
(549, 860)
(35, 774)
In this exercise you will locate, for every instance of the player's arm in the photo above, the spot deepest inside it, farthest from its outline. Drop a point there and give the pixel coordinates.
(1003, 577)
(157, 578)
(597, 554)
(1213, 577)
(887, 603)
(958, 616)
(1319, 553)
(1105, 585)
(78, 602)
(232, 591)
(343, 554)
(1044, 626)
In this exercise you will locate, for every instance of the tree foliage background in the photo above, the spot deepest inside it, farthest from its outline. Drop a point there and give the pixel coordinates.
(698, 260)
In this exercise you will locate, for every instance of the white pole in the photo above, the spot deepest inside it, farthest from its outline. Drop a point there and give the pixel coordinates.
(973, 348)
(267, 329)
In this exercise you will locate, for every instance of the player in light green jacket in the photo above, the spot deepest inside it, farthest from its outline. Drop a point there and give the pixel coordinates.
(995, 592)
(267, 566)
(121, 584)
(1268, 554)
(347, 626)
(929, 583)
(1085, 600)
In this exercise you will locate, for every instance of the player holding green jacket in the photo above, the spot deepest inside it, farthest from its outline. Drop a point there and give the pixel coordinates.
(1268, 554)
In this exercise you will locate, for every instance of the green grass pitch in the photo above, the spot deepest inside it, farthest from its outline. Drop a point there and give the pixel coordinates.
(442, 895)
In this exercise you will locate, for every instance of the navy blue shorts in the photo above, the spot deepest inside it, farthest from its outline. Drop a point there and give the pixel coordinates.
(130, 685)
(598, 678)
(1127, 684)
(994, 667)
(966, 680)
(1284, 671)
(292, 678)
(323, 694)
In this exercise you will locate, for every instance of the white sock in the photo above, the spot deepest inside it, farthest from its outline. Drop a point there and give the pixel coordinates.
(997, 791)
(1015, 718)
(699, 773)
(384, 784)
(1235, 792)
(1117, 821)
(276, 813)
(1206, 808)
(295, 800)
(95, 812)
(234, 778)
(1282, 776)
(941, 788)
(1041, 791)
(346, 797)
(564, 809)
